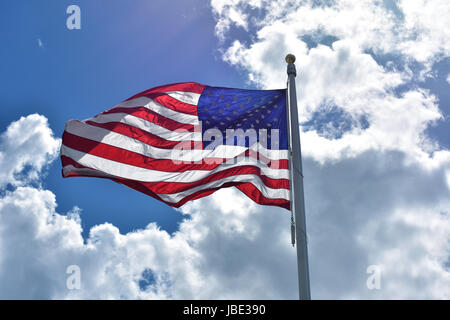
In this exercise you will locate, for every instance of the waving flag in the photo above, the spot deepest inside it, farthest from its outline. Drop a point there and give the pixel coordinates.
(184, 141)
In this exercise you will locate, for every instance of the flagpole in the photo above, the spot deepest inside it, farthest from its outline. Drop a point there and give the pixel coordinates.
(296, 183)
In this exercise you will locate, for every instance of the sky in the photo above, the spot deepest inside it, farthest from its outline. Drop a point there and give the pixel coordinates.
(373, 89)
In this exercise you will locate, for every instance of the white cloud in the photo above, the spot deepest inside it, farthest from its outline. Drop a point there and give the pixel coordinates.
(228, 15)
(27, 143)
(377, 195)
(370, 186)
(352, 81)
(374, 210)
(417, 29)
(346, 76)
(237, 249)
(425, 23)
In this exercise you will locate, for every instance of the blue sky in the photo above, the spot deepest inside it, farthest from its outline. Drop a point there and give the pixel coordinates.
(373, 88)
(119, 51)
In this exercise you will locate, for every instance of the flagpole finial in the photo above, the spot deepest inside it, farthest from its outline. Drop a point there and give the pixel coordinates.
(290, 58)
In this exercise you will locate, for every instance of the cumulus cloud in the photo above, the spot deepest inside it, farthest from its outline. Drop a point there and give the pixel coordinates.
(415, 28)
(361, 66)
(377, 188)
(374, 210)
(237, 249)
(26, 147)
(346, 74)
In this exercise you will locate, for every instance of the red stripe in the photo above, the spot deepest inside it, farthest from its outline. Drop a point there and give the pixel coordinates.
(251, 191)
(135, 159)
(156, 118)
(247, 188)
(162, 187)
(274, 164)
(172, 103)
(156, 141)
(181, 86)
(145, 136)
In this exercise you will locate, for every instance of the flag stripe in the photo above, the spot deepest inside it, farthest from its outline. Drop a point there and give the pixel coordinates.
(153, 143)
(126, 130)
(156, 118)
(182, 86)
(187, 150)
(160, 109)
(142, 160)
(272, 193)
(72, 171)
(173, 103)
(186, 97)
(177, 135)
(131, 171)
(173, 192)
(186, 154)
(251, 191)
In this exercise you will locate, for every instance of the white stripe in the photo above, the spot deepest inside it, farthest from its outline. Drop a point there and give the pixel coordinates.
(176, 197)
(160, 109)
(254, 179)
(186, 97)
(147, 175)
(112, 138)
(177, 135)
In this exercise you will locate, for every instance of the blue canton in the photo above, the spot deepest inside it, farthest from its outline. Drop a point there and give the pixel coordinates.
(226, 108)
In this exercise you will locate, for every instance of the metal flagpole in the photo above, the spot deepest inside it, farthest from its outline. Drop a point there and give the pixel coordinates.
(296, 183)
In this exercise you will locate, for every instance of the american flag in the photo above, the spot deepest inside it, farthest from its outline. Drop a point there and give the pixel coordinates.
(184, 141)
